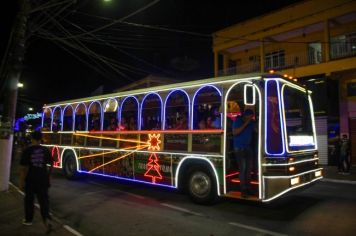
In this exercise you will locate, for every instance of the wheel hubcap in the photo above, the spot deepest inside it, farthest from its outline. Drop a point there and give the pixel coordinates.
(70, 166)
(200, 184)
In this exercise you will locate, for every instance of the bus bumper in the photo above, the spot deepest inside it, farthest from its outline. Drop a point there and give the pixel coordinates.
(276, 186)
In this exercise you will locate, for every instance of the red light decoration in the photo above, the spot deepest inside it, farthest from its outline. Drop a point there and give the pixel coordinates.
(154, 142)
(56, 156)
(153, 170)
(238, 181)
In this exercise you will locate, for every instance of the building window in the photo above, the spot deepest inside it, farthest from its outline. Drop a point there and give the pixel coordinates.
(275, 59)
(343, 45)
(314, 53)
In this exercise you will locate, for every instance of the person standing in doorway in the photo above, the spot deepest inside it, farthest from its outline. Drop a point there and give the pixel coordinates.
(35, 168)
(345, 154)
(242, 129)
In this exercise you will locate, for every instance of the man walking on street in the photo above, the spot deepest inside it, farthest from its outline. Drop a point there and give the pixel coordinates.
(345, 155)
(36, 165)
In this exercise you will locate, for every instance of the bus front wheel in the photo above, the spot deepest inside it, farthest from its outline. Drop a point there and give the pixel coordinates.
(202, 186)
(70, 167)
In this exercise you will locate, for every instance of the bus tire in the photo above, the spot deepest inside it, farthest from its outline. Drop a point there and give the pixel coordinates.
(201, 186)
(70, 166)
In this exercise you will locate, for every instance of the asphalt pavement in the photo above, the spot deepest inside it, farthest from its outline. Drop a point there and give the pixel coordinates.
(11, 209)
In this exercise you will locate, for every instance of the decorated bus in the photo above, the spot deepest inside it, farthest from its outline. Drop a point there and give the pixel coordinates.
(181, 136)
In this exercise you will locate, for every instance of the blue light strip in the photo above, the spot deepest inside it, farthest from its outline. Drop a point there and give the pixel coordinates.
(127, 179)
(165, 106)
(142, 102)
(280, 117)
(193, 101)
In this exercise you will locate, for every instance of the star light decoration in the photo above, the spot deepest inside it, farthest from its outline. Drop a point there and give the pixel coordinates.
(154, 142)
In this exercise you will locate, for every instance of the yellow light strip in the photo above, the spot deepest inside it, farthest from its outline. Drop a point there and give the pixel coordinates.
(97, 154)
(123, 156)
(114, 139)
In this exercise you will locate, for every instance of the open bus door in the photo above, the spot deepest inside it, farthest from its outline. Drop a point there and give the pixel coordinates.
(241, 97)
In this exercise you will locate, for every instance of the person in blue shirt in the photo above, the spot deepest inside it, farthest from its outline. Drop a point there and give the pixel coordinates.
(242, 130)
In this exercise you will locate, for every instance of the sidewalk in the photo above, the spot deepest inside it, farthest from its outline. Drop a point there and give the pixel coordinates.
(11, 208)
(331, 175)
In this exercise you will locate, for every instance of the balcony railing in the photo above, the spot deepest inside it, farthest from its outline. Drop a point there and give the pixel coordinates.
(241, 69)
(340, 50)
(297, 60)
(291, 61)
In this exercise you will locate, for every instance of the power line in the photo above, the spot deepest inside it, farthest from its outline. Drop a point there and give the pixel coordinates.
(115, 21)
(124, 52)
(201, 34)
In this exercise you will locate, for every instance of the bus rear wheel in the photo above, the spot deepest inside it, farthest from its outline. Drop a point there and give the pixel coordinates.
(202, 186)
(70, 167)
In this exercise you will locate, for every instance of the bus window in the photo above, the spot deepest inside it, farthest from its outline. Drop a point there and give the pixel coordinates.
(56, 120)
(207, 116)
(129, 114)
(273, 128)
(80, 117)
(206, 112)
(299, 130)
(177, 110)
(47, 114)
(176, 118)
(151, 112)
(94, 118)
(68, 118)
(110, 115)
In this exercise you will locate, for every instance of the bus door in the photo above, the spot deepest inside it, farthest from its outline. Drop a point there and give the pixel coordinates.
(242, 150)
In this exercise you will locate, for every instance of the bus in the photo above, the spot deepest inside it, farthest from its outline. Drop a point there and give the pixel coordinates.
(180, 136)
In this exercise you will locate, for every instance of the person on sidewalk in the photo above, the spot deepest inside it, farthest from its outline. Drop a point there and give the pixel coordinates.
(35, 168)
(345, 154)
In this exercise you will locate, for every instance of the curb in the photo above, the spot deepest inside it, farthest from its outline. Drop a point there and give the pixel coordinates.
(338, 181)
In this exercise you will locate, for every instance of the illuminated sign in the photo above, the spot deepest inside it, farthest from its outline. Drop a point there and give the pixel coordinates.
(301, 140)
(32, 116)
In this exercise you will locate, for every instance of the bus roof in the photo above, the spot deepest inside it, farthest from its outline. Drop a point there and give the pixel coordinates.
(253, 76)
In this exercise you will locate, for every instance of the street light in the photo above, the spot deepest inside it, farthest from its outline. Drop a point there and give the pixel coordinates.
(20, 85)
(30, 109)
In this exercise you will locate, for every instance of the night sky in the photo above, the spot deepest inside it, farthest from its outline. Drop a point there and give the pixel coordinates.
(121, 54)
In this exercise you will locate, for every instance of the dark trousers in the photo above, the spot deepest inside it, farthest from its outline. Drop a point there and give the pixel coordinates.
(42, 196)
(345, 163)
(244, 159)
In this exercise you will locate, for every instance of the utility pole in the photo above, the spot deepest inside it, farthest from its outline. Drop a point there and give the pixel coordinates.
(10, 72)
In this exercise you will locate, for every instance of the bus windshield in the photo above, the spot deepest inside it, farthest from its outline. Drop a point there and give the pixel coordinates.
(298, 119)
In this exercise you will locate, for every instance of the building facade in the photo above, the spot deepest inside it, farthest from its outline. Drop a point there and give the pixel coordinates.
(313, 41)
